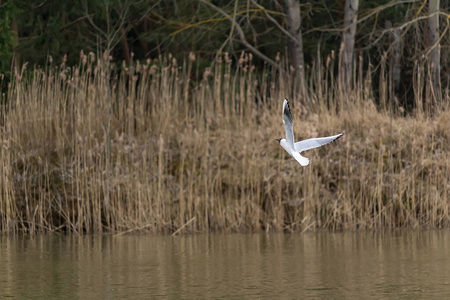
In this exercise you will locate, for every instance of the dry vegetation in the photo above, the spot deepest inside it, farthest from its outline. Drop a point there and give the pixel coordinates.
(171, 154)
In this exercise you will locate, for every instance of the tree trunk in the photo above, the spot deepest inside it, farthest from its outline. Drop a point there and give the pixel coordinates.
(15, 36)
(395, 59)
(125, 48)
(435, 55)
(348, 41)
(295, 43)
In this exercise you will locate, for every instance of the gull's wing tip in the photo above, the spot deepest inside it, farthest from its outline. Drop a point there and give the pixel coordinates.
(287, 110)
(338, 136)
(285, 103)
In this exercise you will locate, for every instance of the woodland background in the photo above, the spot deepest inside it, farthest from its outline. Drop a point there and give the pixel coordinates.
(408, 34)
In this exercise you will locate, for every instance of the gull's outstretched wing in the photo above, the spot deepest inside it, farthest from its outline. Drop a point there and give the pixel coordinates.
(314, 143)
(287, 121)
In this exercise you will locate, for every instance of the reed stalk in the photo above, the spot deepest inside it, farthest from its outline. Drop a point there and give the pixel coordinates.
(190, 154)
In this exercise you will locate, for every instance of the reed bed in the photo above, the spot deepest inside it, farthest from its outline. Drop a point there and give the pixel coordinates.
(162, 147)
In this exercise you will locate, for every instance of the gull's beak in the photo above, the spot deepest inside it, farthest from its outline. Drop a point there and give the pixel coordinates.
(278, 140)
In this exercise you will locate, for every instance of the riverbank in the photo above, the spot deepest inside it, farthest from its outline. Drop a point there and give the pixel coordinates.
(165, 150)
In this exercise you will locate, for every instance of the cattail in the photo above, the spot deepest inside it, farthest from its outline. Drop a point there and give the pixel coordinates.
(227, 58)
(241, 58)
(138, 67)
(207, 73)
(153, 69)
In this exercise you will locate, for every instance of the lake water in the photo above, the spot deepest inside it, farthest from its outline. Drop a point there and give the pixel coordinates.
(394, 265)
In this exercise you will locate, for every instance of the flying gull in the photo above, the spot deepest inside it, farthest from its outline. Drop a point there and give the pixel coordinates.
(294, 149)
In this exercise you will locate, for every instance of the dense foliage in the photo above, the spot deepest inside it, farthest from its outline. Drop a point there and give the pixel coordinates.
(151, 28)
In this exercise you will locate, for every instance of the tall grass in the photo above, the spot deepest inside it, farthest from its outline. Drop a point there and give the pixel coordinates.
(193, 152)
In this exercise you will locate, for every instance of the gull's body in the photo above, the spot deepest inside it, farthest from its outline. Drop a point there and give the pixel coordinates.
(294, 149)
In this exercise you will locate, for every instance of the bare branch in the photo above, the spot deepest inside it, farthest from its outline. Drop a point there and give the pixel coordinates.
(242, 35)
(374, 11)
(230, 36)
(405, 25)
(88, 16)
(213, 20)
(275, 21)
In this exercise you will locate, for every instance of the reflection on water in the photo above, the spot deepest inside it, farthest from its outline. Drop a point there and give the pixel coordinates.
(313, 266)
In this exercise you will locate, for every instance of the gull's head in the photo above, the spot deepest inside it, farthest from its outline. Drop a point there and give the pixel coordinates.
(279, 140)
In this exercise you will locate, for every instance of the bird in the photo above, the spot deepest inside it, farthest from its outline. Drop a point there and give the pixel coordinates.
(294, 149)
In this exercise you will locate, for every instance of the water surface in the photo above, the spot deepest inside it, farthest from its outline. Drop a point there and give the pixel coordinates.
(395, 265)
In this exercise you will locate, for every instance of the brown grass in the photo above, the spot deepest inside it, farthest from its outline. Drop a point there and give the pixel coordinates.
(189, 155)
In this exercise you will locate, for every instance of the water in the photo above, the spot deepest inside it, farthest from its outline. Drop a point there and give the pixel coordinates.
(398, 265)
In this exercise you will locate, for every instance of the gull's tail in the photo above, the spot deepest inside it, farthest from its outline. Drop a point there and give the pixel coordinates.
(301, 159)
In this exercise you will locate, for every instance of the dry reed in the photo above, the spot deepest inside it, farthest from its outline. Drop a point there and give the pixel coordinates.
(194, 154)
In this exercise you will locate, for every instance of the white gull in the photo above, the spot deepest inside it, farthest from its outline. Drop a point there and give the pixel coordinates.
(294, 149)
